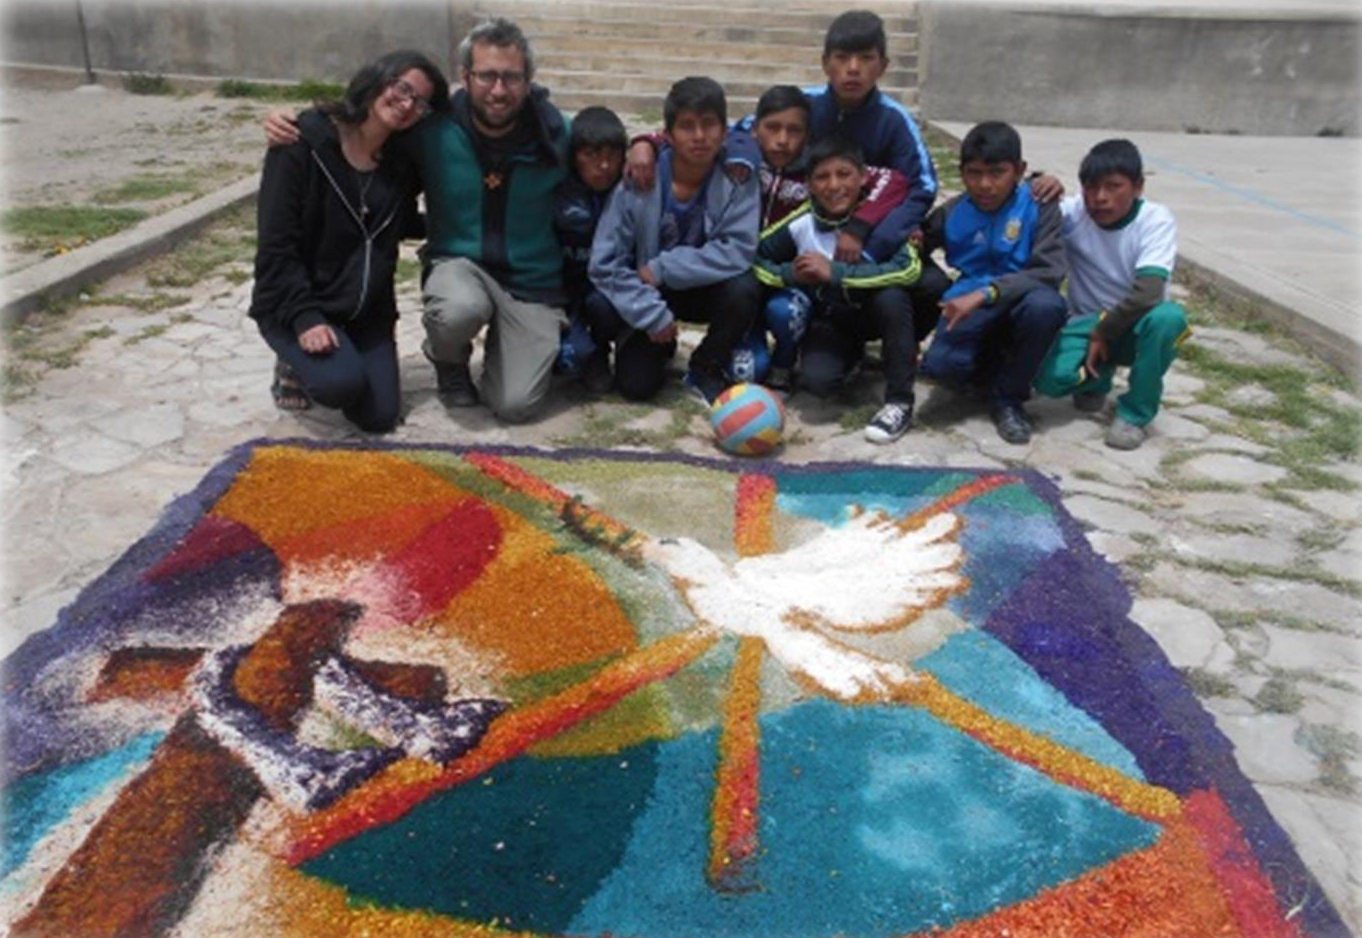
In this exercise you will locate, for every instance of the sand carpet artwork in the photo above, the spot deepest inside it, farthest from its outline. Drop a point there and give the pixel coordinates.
(345, 690)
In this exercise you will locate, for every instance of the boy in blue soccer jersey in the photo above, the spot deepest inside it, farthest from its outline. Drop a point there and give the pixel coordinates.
(1121, 251)
(999, 318)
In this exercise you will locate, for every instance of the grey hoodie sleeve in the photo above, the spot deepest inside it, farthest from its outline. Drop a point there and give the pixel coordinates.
(1047, 264)
(730, 243)
(614, 265)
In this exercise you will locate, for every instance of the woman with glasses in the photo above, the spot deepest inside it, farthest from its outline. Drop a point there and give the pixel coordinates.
(332, 208)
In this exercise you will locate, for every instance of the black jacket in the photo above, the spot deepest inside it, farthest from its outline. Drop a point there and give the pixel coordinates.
(318, 257)
(576, 211)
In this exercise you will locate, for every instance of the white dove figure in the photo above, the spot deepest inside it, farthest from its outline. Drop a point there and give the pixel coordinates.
(868, 575)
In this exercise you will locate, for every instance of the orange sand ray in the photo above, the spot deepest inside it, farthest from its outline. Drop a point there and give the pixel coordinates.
(754, 515)
(1059, 762)
(733, 811)
(966, 492)
(1167, 890)
(405, 784)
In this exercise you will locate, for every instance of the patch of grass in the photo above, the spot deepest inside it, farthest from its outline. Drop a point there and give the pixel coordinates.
(945, 151)
(1317, 539)
(1314, 677)
(142, 83)
(57, 304)
(1301, 424)
(146, 303)
(16, 380)
(408, 270)
(242, 115)
(1205, 684)
(59, 228)
(144, 189)
(1279, 696)
(606, 425)
(1087, 475)
(265, 91)
(1242, 570)
(223, 244)
(236, 276)
(149, 332)
(1334, 747)
(857, 417)
(29, 347)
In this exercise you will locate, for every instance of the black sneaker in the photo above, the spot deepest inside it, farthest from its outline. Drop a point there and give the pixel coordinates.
(454, 383)
(1012, 423)
(596, 375)
(704, 388)
(889, 423)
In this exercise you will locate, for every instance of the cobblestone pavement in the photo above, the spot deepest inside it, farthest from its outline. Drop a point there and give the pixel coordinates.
(1238, 525)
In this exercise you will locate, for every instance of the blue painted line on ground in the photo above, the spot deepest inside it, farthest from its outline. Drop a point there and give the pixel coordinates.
(1255, 197)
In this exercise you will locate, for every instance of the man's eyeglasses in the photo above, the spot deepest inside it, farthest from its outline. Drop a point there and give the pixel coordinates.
(488, 78)
(408, 93)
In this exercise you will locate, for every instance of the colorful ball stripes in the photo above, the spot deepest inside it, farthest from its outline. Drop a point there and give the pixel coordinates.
(748, 420)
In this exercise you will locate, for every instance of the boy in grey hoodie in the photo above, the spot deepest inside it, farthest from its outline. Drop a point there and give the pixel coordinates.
(682, 250)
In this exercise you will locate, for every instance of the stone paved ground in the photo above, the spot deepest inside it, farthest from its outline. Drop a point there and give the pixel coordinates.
(1238, 526)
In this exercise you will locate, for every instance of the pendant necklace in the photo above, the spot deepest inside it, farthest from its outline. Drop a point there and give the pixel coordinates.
(365, 180)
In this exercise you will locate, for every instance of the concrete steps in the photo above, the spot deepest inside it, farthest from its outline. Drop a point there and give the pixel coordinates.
(625, 54)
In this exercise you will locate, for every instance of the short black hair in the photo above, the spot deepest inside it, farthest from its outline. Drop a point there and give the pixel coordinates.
(835, 148)
(991, 142)
(376, 77)
(855, 31)
(1117, 155)
(597, 126)
(782, 98)
(696, 93)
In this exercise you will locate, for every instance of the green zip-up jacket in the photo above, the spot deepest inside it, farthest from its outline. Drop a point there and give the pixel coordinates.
(499, 215)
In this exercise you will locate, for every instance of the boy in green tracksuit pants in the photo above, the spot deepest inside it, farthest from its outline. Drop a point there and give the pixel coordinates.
(1121, 251)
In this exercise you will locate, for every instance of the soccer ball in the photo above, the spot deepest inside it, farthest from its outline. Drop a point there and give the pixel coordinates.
(748, 420)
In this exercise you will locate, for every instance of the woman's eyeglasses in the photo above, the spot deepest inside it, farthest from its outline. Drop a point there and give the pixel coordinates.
(408, 93)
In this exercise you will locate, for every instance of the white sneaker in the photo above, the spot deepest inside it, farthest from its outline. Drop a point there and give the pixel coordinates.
(889, 423)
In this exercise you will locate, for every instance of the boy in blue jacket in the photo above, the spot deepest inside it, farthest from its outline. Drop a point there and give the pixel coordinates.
(999, 318)
(850, 303)
(680, 250)
(596, 146)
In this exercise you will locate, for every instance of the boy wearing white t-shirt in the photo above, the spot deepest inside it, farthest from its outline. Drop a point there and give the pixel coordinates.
(1121, 251)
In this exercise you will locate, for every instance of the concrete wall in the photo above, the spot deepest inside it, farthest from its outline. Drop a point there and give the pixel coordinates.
(1247, 66)
(1266, 70)
(230, 38)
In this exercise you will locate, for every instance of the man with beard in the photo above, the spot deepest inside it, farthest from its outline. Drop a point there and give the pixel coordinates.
(489, 166)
